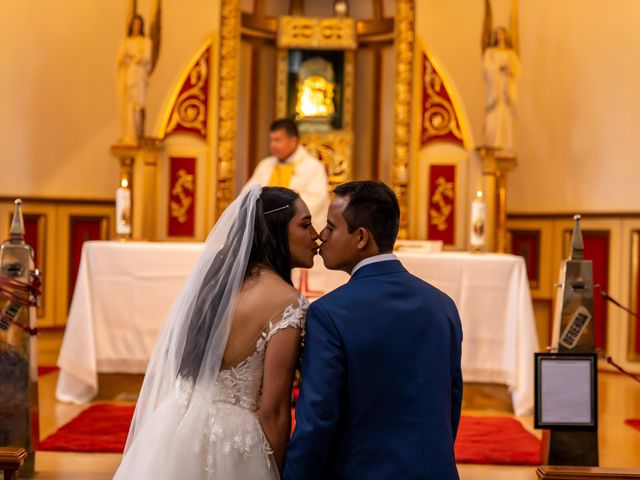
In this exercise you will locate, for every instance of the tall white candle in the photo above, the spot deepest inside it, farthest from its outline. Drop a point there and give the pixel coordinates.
(478, 222)
(123, 209)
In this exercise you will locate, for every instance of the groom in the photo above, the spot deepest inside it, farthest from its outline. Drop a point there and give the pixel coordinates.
(381, 381)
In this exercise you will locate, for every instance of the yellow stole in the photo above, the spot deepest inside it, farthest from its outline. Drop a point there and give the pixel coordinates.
(281, 175)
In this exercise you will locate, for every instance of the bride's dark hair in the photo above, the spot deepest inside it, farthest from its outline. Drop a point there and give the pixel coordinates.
(270, 246)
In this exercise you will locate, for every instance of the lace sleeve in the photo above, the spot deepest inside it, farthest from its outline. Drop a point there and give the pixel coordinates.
(293, 316)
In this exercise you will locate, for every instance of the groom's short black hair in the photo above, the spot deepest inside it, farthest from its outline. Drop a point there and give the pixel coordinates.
(374, 206)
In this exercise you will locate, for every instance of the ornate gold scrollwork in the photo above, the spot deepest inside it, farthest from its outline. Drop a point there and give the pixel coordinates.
(227, 94)
(404, 40)
(440, 116)
(190, 110)
(310, 32)
(334, 150)
(184, 184)
(440, 210)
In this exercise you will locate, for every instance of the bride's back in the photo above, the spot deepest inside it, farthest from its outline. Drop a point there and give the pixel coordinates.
(263, 298)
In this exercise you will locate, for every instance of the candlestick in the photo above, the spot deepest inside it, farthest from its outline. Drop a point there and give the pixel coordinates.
(478, 222)
(123, 209)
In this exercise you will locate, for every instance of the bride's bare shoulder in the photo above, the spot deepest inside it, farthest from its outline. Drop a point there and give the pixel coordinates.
(267, 286)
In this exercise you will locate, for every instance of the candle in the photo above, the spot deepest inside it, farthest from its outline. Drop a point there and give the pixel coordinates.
(478, 219)
(123, 209)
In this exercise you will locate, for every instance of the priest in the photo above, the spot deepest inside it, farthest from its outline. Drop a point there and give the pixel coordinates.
(291, 165)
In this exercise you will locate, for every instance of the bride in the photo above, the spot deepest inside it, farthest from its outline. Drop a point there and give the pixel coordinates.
(215, 402)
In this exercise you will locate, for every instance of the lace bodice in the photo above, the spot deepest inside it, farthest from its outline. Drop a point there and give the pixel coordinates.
(242, 385)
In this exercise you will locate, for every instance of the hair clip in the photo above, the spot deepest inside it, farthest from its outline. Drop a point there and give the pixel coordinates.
(277, 209)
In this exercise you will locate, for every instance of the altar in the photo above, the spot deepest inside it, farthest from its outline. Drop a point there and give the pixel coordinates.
(125, 289)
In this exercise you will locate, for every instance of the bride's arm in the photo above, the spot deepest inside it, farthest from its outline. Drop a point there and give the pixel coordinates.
(280, 361)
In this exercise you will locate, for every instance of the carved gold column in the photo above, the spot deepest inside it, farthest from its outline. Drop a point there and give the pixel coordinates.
(495, 167)
(404, 42)
(228, 102)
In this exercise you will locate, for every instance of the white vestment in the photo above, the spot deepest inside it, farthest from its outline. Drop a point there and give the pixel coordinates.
(309, 179)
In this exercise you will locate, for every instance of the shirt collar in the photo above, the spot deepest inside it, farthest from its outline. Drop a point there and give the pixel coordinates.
(383, 257)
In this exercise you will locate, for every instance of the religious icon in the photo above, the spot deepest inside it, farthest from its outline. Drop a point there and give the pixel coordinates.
(501, 67)
(315, 103)
(137, 58)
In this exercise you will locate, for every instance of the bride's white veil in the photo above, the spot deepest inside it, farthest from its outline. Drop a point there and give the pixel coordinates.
(183, 369)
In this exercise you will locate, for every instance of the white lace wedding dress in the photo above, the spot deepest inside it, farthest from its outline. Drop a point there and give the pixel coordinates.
(220, 437)
(238, 448)
(196, 418)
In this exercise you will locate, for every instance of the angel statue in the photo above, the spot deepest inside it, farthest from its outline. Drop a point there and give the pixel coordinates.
(501, 67)
(136, 60)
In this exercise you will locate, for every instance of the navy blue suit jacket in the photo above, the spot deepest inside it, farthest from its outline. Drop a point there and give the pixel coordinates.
(381, 382)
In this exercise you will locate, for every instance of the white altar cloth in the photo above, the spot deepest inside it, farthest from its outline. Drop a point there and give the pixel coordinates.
(125, 289)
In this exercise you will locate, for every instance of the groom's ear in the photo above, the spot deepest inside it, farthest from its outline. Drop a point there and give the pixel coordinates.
(363, 237)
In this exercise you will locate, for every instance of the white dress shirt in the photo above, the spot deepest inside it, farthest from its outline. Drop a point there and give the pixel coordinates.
(383, 257)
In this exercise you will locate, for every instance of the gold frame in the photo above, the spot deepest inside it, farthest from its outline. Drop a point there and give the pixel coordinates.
(337, 144)
(404, 51)
(233, 23)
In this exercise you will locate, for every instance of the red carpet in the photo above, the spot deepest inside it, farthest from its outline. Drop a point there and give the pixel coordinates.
(633, 422)
(45, 369)
(490, 440)
(100, 428)
(496, 440)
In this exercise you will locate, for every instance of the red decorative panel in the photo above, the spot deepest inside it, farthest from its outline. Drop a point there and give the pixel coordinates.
(441, 211)
(636, 304)
(182, 188)
(439, 117)
(34, 236)
(596, 249)
(189, 110)
(526, 243)
(81, 229)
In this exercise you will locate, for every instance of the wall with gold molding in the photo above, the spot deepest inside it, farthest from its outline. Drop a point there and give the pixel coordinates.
(58, 89)
(578, 145)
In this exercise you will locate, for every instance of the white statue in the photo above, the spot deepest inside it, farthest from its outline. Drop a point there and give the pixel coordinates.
(501, 67)
(134, 66)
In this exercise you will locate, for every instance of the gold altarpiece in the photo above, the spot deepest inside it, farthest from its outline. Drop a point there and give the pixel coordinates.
(205, 109)
(321, 102)
(341, 147)
(204, 134)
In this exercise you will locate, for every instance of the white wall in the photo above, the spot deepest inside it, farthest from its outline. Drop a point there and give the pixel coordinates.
(58, 90)
(578, 146)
